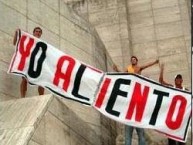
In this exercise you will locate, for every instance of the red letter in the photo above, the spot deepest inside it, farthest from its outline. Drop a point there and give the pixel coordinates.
(67, 75)
(175, 123)
(25, 52)
(138, 102)
(102, 93)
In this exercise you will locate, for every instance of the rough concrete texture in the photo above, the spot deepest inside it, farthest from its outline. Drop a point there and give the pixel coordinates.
(62, 28)
(149, 29)
(45, 120)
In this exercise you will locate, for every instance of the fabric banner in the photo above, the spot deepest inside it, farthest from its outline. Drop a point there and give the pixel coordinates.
(42, 64)
(137, 101)
(127, 98)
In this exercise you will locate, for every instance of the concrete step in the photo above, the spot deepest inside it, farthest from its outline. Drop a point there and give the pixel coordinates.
(43, 120)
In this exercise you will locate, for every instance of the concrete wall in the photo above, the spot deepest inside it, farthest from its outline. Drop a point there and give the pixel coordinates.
(47, 120)
(68, 32)
(161, 29)
(62, 28)
(60, 125)
(149, 29)
(110, 19)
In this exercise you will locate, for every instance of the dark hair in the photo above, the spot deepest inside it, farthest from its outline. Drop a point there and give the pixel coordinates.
(134, 57)
(178, 76)
(36, 29)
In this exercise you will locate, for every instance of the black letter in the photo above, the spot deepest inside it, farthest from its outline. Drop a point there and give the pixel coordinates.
(36, 73)
(116, 91)
(158, 105)
(77, 83)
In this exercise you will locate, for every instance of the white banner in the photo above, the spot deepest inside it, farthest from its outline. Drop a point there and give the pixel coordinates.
(44, 65)
(127, 98)
(137, 101)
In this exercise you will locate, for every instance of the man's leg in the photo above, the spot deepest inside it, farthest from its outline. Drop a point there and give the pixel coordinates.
(23, 87)
(141, 137)
(40, 90)
(181, 143)
(171, 142)
(128, 134)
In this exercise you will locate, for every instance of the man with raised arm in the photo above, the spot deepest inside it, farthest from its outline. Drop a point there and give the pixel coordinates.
(136, 69)
(177, 84)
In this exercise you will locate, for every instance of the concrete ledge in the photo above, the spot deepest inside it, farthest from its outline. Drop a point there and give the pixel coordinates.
(44, 120)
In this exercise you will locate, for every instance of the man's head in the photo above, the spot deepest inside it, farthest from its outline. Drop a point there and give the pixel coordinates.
(134, 60)
(37, 32)
(178, 80)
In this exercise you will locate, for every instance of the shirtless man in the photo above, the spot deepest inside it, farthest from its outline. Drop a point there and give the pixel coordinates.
(135, 68)
(37, 32)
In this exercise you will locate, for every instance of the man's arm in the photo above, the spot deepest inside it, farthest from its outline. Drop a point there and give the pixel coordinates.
(149, 64)
(161, 79)
(115, 68)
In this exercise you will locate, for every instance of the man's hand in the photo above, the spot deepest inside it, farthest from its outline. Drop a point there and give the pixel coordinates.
(115, 68)
(157, 61)
(15, 36)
